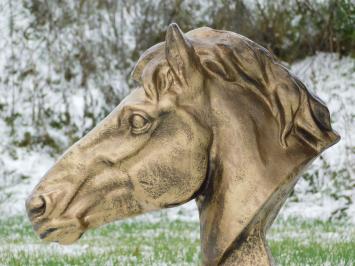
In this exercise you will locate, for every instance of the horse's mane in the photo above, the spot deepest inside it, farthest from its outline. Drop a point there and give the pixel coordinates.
(232, 58)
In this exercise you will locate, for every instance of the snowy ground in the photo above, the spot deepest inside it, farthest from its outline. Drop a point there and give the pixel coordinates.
(143, 241)
(331, 78)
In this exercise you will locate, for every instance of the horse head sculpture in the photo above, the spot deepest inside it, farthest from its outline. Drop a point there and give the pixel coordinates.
(214, 118)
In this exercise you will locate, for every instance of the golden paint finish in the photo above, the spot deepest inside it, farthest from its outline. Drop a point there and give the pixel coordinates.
(215, 118)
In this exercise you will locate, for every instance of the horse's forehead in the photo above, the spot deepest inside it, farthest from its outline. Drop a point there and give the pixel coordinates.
(136, 97)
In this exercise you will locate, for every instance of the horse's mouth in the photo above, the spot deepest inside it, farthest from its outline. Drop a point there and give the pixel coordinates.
(62, 232)
(47, 232)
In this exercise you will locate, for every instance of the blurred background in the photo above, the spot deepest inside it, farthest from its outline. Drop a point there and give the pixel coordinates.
(64, 65)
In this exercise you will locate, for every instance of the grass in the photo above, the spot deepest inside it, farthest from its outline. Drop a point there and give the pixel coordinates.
(166, 242)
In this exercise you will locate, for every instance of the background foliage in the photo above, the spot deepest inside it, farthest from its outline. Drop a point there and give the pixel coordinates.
(65, 64)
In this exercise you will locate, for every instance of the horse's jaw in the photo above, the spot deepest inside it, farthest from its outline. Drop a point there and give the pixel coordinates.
(250, 178)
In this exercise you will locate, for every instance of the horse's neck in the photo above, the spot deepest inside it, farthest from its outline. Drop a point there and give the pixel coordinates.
(250, 178)
(229, 234)
(234, 219)
(221, 245)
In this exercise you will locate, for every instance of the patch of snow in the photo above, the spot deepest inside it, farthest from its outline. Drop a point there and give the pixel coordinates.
(51, 248)
(29, 167)
(332, 79)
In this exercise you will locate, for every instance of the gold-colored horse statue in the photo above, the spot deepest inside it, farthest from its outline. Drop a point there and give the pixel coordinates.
(214, 118)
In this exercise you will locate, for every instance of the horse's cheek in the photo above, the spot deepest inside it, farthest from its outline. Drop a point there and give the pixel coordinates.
(173, 174)
(172, 166)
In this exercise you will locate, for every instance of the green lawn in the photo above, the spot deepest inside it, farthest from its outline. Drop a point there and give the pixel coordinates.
(166, 242)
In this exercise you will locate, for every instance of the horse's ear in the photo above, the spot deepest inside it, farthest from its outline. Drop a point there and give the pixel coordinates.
(182, 58)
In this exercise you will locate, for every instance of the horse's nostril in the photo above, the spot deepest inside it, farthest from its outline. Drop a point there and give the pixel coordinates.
(36, 207)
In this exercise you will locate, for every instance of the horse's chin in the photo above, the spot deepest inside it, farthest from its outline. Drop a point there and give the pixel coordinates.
(67, 239)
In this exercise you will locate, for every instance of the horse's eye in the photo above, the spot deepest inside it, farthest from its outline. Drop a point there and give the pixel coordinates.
(139, 123)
